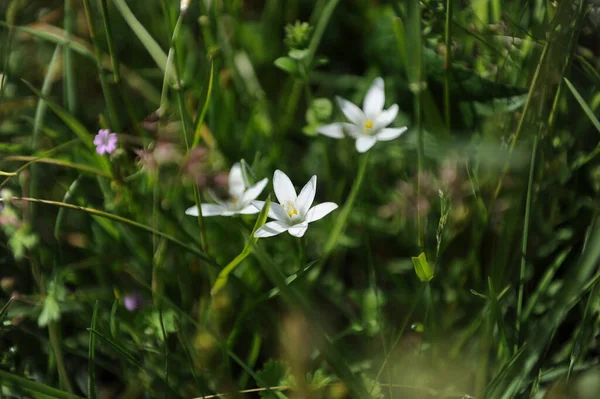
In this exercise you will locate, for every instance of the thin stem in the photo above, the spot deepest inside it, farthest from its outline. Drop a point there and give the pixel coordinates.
(420, 156)
(524, 241)
(448, 64)
(110, 104)
(340, 222)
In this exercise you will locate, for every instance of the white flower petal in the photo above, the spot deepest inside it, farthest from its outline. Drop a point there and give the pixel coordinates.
(353, 130)
(333, 130)
(271, 229)
(364, 143)
(284, 189)
(390, 134)
(208, 210)
(319, 211)
(248, 210)
(254, 191)
(352, 112)
(386, 117)
(236, 181)
(276, 211)
(307, 196)
(298, 230)
(374, 100)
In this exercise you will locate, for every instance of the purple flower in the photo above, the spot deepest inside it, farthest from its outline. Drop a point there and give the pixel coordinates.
(133, 302)
(105, 141)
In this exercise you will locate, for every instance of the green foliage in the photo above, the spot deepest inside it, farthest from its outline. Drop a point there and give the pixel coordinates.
(109, 289)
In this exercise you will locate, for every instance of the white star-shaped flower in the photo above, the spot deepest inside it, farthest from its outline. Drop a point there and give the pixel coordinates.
(368, 125)
(293, 213)
(240, 195)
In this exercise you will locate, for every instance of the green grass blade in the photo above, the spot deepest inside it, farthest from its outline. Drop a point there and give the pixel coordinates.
(92, 356)
(296, 299)
(4, 308)
(224, 274)
(52, 161)
(40, 110)
(121, 219)
(69, 73)
(114, 325)
(149, 43)
(200, 118)
(61, 212)
(35, 389)
(111, 43)
(586, 108)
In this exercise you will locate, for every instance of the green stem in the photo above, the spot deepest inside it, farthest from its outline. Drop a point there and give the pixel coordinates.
(524, 241)
(109, 39)
(110, 104)
(69, 20)
(420, 156)
(448, 64)
(54, 332)
(340, 222)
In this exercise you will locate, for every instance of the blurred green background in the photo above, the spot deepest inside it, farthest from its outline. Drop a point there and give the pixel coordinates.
(105, 289)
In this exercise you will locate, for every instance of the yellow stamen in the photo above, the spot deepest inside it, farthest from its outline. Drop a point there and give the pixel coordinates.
(369, 125)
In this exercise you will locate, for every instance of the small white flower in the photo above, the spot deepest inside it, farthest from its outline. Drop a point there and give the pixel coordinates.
(368, 125)
(240, 200)
(293, 213)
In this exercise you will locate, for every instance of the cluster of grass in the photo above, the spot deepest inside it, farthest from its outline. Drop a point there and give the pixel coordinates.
(462, 261)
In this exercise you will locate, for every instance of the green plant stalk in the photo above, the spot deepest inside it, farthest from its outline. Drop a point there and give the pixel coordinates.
(121, 219)
(92, 357)
(115, 124)
(340, 222)
(420, 156)
(55, 342)
(292, 103)
(200, 118)
(524, 242)
(448, 64)
(40, 113)
(111, 43)
(69, 74)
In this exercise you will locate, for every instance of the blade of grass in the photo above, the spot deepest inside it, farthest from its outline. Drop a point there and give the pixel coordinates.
(52, 161)
(113, 115)
(201, 384)
(4, 308)
(69, 73)
(524, 242)
(55, 342)
(448, 63)
(544, 283)
(200, 118)
(296, 299)
(33, 388)
(540, 336)
(586, 108)
(61, 212)
(142, 34)
(92, 357)
(111, 43)
(121, 219)
(75, 126)
(247, 250)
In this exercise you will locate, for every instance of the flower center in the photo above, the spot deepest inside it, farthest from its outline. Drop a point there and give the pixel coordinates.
(369, 125)
(290, 209)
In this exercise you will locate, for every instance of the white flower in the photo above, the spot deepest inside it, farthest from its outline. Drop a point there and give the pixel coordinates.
(240, 200)
(293, 213)
(368, 125)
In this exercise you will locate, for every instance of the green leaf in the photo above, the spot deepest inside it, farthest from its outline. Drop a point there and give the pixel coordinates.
(422, 268)
(287, 64)
(274, 373)
(224, 274)
(298, 54)
(50, 311)
(588, 111)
